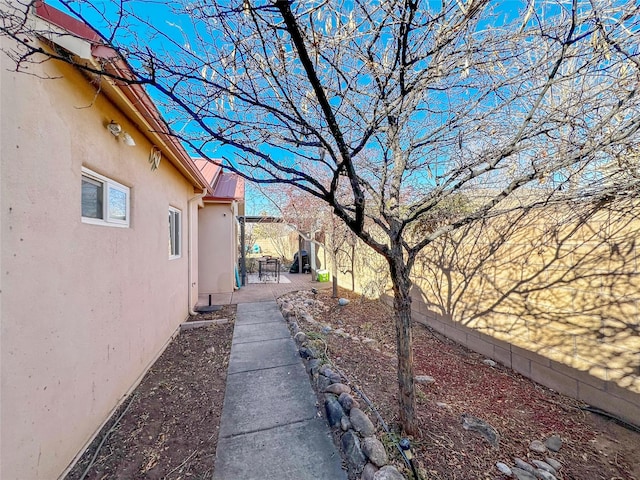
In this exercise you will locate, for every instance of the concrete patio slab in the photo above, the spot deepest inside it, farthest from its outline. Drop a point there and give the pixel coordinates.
(264, 354)
(264, 292)
(263, 399)
(301, 451)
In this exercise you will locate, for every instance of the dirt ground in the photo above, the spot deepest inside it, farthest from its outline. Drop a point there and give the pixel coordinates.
(520, 410)
(168, 428)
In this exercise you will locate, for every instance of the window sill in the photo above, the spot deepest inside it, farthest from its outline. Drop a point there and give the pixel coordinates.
(97, 221)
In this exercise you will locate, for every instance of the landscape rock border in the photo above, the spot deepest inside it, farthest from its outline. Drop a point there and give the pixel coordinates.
(364, 454)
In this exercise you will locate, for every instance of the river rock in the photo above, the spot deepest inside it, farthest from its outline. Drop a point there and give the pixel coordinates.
(351, 448)
(427, 379)
(469, 422)
(347, 401)
(338, 388)
(544, 466)
(326, 370)
(388, 473)
(300, 338)
(524, 465)
(361, 422)
(343, 302)
(553, 462)
(503, 468)
(537, 446)
(334, 410)
(553, 443)
(306, 353)
(345, 423)
(323, 382)
(522, 474)
(544, 475)
(375, 452)
(369, 471)
(313, 365)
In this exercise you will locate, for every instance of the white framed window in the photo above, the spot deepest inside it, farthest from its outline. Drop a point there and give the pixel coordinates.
(175, 233)
(104, 201)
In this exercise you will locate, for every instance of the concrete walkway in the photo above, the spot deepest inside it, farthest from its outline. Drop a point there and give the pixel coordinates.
(270, 428)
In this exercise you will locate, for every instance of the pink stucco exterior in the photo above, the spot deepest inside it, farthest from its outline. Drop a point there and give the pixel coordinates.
(218, 250)
(218, 229)
(85, 308)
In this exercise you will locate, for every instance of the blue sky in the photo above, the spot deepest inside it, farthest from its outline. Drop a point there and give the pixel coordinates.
(180, 30)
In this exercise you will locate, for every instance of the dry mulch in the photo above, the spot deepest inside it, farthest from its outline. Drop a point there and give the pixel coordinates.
(169, 426)
(521, 410)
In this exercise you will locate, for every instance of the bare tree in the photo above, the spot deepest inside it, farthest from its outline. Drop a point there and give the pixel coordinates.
(311, 216)
(385, 109)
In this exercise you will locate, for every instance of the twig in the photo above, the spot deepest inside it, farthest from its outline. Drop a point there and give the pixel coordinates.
(185, 461)
(106, 435)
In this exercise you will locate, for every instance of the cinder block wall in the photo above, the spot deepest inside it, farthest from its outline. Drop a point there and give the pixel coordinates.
(553, 294)
(558, 376)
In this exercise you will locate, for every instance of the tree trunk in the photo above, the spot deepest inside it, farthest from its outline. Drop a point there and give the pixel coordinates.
(402, 307)
(353, 267)
(334, 273)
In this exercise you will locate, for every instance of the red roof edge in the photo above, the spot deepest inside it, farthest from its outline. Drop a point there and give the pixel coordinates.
(228, 188)
(139, 97)
(70, 24)
(210, 170)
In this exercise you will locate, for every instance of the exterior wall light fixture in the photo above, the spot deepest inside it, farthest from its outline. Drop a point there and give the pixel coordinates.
(116, 130)
(127, 140)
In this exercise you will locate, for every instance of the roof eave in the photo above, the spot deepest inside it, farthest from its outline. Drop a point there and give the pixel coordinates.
(131, 99)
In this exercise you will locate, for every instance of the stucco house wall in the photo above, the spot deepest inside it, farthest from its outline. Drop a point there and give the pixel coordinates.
(218, 246)
(85, 308)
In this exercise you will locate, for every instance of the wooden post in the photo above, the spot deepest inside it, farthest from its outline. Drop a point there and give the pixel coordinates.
(243, 263)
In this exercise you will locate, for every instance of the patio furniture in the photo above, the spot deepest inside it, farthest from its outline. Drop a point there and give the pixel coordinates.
(269, 268)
